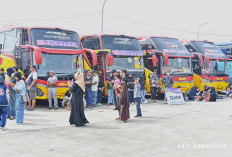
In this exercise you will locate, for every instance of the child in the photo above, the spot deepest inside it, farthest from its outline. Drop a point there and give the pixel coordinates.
(137, 97)
(117, 88)
(3, 104)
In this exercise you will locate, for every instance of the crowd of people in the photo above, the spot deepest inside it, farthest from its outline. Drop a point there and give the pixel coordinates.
(17, 93)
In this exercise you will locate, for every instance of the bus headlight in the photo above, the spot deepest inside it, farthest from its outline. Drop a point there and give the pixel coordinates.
(207, 80)
(39, 92)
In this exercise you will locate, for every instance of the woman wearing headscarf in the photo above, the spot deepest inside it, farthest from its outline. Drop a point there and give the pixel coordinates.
(77, 115)
(20, 89)
(124, 109)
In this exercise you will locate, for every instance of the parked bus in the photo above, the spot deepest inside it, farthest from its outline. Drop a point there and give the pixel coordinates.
(115, 52)
(226, 48)
(163, 55)
(47, 48)
(210, 64)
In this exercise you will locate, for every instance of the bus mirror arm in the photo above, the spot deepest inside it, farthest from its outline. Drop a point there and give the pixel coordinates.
(207, 61)
(154, 60)
(37, 52)
(110, 59)
(94, 56)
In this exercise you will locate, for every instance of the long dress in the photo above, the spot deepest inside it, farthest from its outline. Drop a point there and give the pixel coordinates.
(124, 108)
(77, 115)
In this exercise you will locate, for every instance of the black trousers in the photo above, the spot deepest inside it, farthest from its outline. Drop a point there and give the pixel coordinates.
(154, 91)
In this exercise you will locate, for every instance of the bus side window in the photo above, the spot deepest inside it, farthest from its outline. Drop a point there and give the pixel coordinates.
(23, 37)
(2, 38)
(91, 43)
(10, 42)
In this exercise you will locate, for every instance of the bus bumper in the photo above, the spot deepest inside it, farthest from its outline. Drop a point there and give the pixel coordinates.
(185, 86)
(42, 92)
(219, 86)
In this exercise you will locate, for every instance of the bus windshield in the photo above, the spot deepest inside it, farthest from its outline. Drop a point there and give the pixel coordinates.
(55, 38)
(128, 63)
(177, 66)
(208, 48)
(59, 63)
(120, 43)
(168, 44)
(215, 67)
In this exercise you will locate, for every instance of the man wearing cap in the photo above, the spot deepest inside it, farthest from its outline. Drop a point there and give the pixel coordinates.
(51, 82)
(31, 87)
(94, 88)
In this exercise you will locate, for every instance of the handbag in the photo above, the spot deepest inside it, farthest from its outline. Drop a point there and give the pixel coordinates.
(25, 98)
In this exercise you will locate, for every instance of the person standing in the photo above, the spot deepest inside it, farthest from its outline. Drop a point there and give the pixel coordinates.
(11, 105)
(3, 104)
(77, 115)
(123, 75)
(100, 89)
(124, 107)
(143, 90)
(137, 97)
(2, 73)
(130, 85)
(110, 86)
(52, 91)
(155, 86)
(168, 83)
(88, 83)
(31, 87)
(20, 89)
(94, 88)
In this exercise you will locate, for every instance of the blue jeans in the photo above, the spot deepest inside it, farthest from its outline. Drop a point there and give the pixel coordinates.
(143, 93)
(11, 106)
(131, 96)
(19, 109)
(99, 96)
(94, 98)
(3, 113)
(110, 96)
(138, 102)
(88, 98)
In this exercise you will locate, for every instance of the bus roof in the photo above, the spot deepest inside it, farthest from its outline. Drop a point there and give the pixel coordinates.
(99, 35)
(26, 27)
(147, 37)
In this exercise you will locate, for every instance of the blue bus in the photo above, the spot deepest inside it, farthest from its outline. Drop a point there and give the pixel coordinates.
(226, 48)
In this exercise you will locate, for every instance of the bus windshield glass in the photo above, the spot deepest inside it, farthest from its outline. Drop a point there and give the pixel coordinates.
(177, 66)
(168, 44)
(120, 43)
(55, 38)
(128, 63)
(215, 68)
(209, 49)
(59, 63)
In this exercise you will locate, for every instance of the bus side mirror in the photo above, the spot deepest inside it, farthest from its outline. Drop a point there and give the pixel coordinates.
(200, 59)
(154, 60)
(110, 59)
(1, 59)
(38, 56)
(207, 61)
(165, 58)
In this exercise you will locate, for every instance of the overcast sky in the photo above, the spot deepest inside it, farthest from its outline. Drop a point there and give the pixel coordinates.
(173, 18)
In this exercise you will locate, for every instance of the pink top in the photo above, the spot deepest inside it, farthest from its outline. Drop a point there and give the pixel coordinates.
(117, 82)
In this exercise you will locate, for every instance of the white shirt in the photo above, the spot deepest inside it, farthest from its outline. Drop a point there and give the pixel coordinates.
(95, 87)
(34, 75)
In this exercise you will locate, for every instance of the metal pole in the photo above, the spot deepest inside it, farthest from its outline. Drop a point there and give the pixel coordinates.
(199, 28)
(102, 15)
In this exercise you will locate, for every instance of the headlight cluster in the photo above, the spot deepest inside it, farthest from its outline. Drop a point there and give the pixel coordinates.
(207, 80)
(39, 92)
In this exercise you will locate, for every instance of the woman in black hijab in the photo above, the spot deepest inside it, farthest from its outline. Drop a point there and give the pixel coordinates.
(77, 115)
